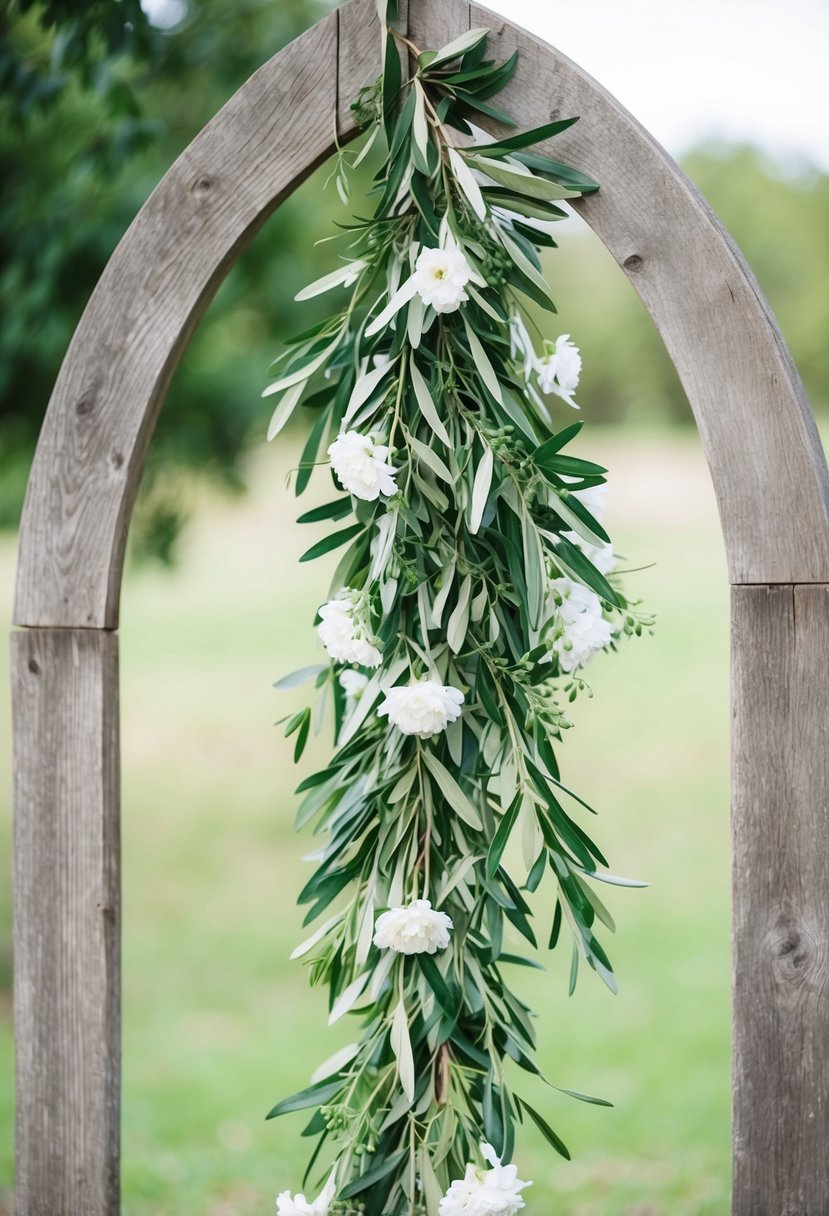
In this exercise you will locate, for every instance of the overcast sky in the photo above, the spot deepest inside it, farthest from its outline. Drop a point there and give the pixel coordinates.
(753, 70)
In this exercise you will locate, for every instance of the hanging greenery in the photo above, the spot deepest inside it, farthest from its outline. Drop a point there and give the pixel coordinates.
(476, 581)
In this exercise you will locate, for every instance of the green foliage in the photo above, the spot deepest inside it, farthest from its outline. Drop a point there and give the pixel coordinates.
(452, 577)
(49, 45)
(95, 108)
(778, 216)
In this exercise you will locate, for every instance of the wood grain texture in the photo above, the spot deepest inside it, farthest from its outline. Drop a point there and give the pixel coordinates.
(760, 440)
(780, 799)
(432, 25)
(66, 921)
(90, 455)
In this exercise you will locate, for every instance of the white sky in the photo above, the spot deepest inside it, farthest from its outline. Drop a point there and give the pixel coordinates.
(754, 70)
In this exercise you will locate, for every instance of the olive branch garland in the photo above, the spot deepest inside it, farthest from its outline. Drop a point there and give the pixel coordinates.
(474, 584)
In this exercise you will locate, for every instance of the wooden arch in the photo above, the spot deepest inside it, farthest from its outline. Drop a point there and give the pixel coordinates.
(773, 493)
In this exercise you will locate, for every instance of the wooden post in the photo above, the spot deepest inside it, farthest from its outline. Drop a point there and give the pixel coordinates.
(780, 801)
(67, 914)
(772, 487)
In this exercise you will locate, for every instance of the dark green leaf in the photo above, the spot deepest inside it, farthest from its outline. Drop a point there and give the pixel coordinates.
(302, 736)
(392, 80)
(499, 840)
(498, 78)
(309, 452)
(571, 503)
(315, 1095)
(556, 929)
(485, 688)
(448, 999)
(464, 44)
(570, 466)
(563, 174)
(576, 564)
(573, 1093)
(421, 196)
(545, 1129)
(338, 509)
(536, 873)
(334, 541)
(378, 1171)
(474, 103)
(403, 124)
(556, 442)
(518, 961)
(295, 721)
(525, 138)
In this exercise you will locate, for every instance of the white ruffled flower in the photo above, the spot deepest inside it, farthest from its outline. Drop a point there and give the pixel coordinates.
(416, 929)
(461, 1198)
(344, 631)
(493, 1192)
(297, 1205)
(440, 278)
(352, 683)
(559, 369)
(360, 465)
(423, 709)
(582, 628)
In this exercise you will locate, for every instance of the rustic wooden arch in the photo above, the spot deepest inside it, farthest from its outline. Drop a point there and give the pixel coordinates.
(772, 487)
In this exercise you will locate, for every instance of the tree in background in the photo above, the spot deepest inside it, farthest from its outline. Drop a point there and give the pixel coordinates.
(779, 219)
(97, 101)
(96, 104)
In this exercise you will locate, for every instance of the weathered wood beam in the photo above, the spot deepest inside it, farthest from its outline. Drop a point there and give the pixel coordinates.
(156, 286)
(780, 816)
(66, 921)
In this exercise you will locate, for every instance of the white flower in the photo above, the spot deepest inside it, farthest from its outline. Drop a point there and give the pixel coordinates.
(582, 628)
(440, 277)
(493, 1192)
(500, 1193)
(461, 1198)
(360, 465)
(297, 1205)
(423, 709)
(344, 631)
(415, 929)
(352, 683)
(559, 370)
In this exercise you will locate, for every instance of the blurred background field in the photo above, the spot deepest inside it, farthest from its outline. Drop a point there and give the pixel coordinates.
(217, 1023)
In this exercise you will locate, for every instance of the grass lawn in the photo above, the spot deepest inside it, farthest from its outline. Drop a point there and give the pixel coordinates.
(218, 1024)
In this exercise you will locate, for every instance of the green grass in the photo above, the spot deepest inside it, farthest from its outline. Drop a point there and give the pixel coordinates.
(218, 1024)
